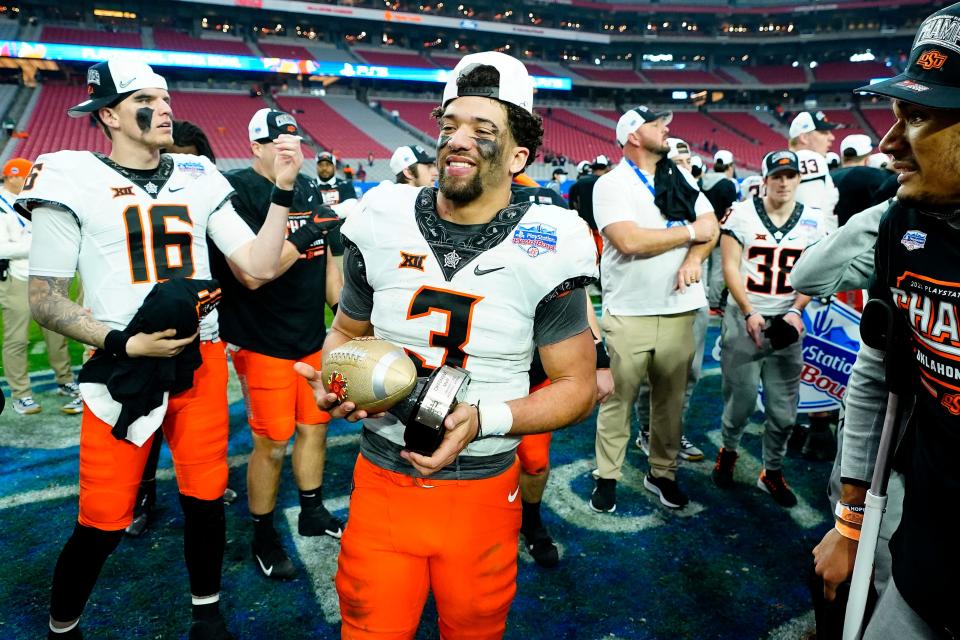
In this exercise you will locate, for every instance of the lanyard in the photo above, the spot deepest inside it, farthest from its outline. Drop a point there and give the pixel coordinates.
(643, 178)
(14, 211)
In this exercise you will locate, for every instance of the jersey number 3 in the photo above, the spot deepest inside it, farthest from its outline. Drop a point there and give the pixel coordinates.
(458, 309)
(172, 251)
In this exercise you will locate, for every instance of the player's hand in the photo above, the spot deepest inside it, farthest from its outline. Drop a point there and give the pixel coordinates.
(605, 386)
(755, 326)
(162, 344)
(288, 160)
(706, 228)
(794, 321)
(462, 425)
(689, 273)
(834, 558)
(328, 401)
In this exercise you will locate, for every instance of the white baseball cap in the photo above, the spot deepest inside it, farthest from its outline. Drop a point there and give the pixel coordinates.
(636, 118)
(677, 148)
(409, 155)
(515, 85)
(856, 145)
(878, 161)
(583, 167)
(600, 162)
(267, 124)
(108, 81)
(723, 157)
(807, 121)
(696, 161)
(833, 159)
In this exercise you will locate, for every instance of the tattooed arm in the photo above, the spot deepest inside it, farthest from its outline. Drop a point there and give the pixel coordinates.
(52, 308)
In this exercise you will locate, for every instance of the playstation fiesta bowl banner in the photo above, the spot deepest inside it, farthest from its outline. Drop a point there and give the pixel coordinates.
(830, 348)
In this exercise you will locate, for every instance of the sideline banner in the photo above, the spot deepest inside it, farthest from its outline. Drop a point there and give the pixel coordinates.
(830, 348)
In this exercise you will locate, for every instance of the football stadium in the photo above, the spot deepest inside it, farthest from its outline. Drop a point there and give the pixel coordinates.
(395, 155)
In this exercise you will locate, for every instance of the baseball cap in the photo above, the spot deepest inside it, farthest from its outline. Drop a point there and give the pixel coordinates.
(696, 161)
(329, 157)
(777, 161)
(807, 121)
(600, 162)
(515, 85)
(833, 160)
(409, 155)
(930, 79)
(635, 118)
(559, 171)
(583, 167)
(677, 148)
(108, 82)
(723, 157)
(878, 161)
(856, 145)
(17, 167)
(266, 124)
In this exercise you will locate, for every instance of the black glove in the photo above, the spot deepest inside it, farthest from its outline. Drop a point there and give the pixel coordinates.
(4, 269)
(781, 333)
(323, 221)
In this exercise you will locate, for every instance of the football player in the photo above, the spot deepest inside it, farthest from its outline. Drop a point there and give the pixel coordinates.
(811, 136)
(762, 239)
(128, 221)
(279, 402)
(487, 282)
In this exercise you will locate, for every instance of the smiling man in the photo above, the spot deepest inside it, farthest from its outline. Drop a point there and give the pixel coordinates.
(918, 272)
(460, 276)
(128, 221)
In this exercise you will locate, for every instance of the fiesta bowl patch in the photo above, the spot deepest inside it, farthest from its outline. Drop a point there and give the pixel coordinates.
(195, 169)
(914, 239)
(534, 239)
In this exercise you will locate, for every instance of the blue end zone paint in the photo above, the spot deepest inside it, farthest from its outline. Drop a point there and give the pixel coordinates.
(734, 570)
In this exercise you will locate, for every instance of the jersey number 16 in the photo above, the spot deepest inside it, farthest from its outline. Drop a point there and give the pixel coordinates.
(172, 251)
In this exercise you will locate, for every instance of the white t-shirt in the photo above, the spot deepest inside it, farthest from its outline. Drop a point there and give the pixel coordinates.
(769, 252)
(636, 285)
(14, 237)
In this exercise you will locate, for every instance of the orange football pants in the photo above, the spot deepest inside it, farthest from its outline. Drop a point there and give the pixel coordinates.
(196, 429)
(277, 397)
(409, 535)
(534, 449)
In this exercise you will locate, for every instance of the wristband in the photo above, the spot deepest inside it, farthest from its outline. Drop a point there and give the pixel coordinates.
(116, 343)
(746, 316)
(796, 311)
(282, 197)
(603, 359)
(847, 530)
(692, 232)
(849, 514)
(494, 419)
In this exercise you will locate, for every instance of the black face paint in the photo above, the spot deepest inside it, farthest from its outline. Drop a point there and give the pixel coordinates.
(144, 118)
(489, 151)
(442, 141)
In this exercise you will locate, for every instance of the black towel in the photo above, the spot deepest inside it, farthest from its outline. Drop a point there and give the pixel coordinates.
(675, 197)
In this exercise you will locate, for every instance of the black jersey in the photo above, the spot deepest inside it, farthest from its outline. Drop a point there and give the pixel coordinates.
(581, 199)
(335, 191)
(721, 191)
(537, 195)
(918, 269)
(283, 318)
(859, 188)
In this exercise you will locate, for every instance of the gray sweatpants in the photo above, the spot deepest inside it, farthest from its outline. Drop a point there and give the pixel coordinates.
(744, 367)
(894, 619)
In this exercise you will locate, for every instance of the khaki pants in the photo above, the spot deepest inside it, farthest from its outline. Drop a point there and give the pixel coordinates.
(16, 325)
(654, 348)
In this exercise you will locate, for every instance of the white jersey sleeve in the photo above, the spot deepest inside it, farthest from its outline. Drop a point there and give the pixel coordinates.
(228, 230)
(57, 231)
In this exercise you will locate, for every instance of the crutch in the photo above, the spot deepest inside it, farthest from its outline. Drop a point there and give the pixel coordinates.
(876, 331)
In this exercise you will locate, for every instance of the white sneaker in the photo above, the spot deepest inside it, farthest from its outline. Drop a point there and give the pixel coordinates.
(26, 406)
(688, 451)
(73, 407)
(71, 390)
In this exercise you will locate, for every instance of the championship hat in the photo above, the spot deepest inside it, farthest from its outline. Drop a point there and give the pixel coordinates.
(677, 148)
(17, 167)
(266, 124)
(635, 118)
(583, 167)
(409, 155)
(777, 161)
(109, 82)
(723, 157)
(807, 121)
(932, 76)
(600, 162)
(515, 86)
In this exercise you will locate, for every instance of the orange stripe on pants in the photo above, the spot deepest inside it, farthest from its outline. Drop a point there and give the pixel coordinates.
(196, 428)
(407, 535)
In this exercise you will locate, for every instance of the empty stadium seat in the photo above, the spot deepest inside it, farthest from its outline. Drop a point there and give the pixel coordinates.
(777, 74)
(294, 52)
(331, 130)
(399, 58)
(91, 37)
(177, 41)
(851, 71)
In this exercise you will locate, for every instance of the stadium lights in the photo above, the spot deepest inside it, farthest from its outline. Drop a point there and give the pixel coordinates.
(794, 64)
(813, 64)
(108, 13)
(863, 57)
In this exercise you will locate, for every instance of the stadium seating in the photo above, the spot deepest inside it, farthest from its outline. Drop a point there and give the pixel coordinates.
(50, 129)
(398, 58)
(696, 128)
(177, 41)
(748, 125)
(90, 37)
(331, 130)
(613, 76)
(446, 61)
(880, 120)
(416, 113)
(777, 74)
(682, 77)
(294, 52)
(222, 116)
(850, 124)
(851, 71)
(563, 135)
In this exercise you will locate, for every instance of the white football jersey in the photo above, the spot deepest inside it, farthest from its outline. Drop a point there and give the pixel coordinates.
(467, 306)
(769, 253)
(816, 186)
(133, 231)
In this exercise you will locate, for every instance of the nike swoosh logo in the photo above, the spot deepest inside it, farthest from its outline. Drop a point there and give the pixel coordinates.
(172, 190)
(477, 271)
(513, 496)
(124, 85)
(270, 570)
